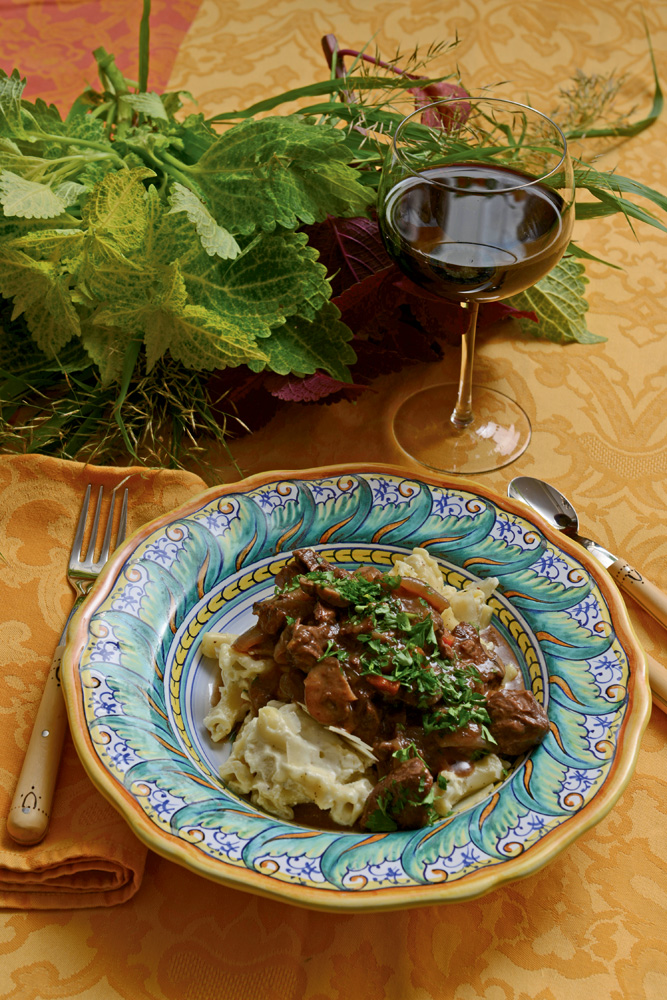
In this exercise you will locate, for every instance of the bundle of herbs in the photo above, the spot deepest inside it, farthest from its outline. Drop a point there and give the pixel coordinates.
(159, 271)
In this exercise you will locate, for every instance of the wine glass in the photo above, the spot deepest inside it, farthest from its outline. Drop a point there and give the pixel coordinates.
(476, 203)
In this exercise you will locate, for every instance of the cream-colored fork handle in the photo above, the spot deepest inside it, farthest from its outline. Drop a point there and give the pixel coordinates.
(30, 811)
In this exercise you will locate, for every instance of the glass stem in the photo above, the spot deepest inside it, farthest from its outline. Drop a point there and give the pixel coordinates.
(463, 415)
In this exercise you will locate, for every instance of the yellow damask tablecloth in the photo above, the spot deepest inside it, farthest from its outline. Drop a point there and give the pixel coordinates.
(593, 922)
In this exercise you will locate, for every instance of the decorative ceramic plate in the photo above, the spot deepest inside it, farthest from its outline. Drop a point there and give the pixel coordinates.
(137, 686)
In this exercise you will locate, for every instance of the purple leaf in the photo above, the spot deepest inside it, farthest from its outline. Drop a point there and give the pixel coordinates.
(310, 389)
(447, 116)
(350, 249)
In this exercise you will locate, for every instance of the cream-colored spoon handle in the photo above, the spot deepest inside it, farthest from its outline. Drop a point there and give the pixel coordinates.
(644, 592)
(30, 811)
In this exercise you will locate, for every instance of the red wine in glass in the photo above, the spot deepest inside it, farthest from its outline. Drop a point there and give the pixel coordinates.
(476, 213)
(450, 237)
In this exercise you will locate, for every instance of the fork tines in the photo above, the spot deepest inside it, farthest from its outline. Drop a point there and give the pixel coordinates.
(78, 546)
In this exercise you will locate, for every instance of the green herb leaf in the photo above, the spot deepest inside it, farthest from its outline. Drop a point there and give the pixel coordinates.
(333, 86)
(215, 240)
(305, 345)
(41, 292)
(116, 212)
(28, 199)
(576, 251)
(148, 104)
(11, 90)
(278, 171)
(381, 820)
(558, 299)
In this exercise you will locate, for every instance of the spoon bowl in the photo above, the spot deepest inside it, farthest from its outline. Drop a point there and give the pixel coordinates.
(547, 501)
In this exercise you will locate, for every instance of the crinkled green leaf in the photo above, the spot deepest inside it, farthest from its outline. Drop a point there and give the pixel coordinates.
(9, 146)
(196, 137)
(28, 199)
(278, 171)
(145, 293)
(63, 245)
(216, 241)
(200, 339)
(277, 275)
(116, 209)
(15, 227)
(147, 104)
(70, 192)
(558, 299)
(11, 89)
(147, 289)
(106, 347)
(21, 355)
(303, 346)
(41, 292)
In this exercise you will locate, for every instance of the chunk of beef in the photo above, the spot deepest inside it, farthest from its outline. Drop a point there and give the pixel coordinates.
(306, 561)
(468, 737)
(264, 688)
(365, 722)
(370, 573)
(272, 614)
(306, 645)
(355, 628)
(290, 686)
(255, 642)
(324, 592)
(384, 751)
(518, 721)
(328, 694)
(311, 560)
(470, 649)
(401, 795)
(324, 614)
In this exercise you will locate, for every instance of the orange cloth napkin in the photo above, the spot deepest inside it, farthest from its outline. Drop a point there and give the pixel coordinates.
(89, 857)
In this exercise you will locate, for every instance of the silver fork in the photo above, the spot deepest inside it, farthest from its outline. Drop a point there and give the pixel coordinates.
(30, 811)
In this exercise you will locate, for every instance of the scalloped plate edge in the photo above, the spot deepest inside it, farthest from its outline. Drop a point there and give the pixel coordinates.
(477, 884)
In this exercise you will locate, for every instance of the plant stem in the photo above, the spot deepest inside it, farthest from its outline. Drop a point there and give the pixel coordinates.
(144, 46)
(69, 140)
(160, 163)
(107, 65)
(176, 168)
(378, 62)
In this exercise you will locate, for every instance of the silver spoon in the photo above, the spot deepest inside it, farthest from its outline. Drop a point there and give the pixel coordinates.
(559, 512)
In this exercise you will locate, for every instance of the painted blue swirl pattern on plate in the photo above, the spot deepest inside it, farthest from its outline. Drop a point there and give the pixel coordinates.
(144, 686)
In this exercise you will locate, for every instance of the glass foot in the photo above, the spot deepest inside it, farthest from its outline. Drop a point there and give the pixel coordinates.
(499, 433)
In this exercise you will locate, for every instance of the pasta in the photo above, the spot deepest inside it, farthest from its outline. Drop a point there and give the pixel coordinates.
(318, 724)
(282, 758)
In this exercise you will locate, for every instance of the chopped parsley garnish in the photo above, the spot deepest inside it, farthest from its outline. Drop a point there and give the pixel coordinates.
(402, 647)
(408, 752)
(333, 650)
